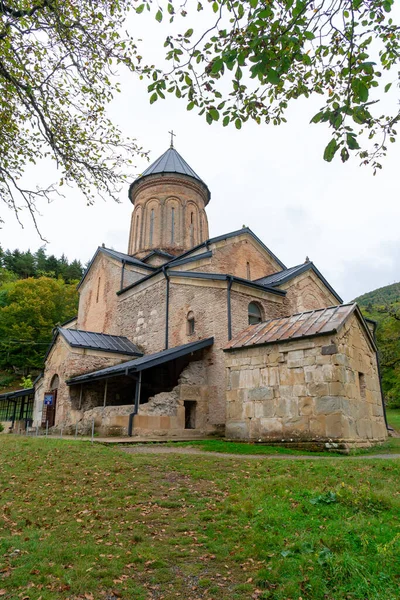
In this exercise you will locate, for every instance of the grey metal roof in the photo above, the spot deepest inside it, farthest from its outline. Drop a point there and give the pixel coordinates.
(282, 276)
(302, 325)
(277, 279)
(143, 363)
(120, 256)
(17, 394)
(170, 162)
(99, 341)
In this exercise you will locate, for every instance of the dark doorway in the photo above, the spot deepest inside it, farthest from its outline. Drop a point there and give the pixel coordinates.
(190, 414)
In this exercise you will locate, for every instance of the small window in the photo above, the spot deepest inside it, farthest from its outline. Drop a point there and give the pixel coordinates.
(362, 384)
(190, 323)
(255, 315)
(248, 272)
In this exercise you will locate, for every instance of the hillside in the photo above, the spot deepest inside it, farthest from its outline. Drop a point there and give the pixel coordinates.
(384, 295)
(383, 305)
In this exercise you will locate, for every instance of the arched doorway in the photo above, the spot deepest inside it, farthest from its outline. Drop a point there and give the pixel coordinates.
(50, 403)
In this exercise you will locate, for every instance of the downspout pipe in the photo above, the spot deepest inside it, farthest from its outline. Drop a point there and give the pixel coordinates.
(121, 287)
(228, 299)
(137, 402)
(381, 389)
(166, 307)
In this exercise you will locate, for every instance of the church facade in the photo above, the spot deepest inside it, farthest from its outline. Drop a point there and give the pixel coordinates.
(185, 334)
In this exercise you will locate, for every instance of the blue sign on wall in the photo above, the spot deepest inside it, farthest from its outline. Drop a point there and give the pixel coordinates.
(48, 399)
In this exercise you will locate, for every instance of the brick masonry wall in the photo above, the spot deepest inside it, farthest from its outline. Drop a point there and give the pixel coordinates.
(161, 194)
(239, 256)
(306, 390)
(307, 292)
(97, 295)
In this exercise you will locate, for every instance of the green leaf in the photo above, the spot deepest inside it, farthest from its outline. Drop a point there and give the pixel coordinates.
(238, 124)
(330, 150)
(225, 122)
(273, 77)
(217, 65)
(188, 33)
(209, 118)
(159, 16)
(344, 154)
(215, 6)
(153, 98)
(140, 9)
(387, 87)
(214, 114)
(190, 106)
(309, 35)
(352, 141)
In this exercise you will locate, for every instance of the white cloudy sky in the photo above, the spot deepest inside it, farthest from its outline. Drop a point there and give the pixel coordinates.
(272, 179)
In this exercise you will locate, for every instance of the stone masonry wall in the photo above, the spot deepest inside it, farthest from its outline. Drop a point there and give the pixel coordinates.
(306, 390)
(66, 363)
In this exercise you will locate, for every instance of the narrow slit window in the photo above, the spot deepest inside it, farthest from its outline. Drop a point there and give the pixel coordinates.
(248, 271)
(191, 230)
(172, 225)
(137, 233)
(190, 323)
(362, 384)
(151, 226)
(98, 290)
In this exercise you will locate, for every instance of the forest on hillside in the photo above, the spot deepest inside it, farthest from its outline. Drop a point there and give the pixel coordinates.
(36, 293)
(383, 306)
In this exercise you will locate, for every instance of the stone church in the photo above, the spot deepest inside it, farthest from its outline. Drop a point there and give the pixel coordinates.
(212, 335)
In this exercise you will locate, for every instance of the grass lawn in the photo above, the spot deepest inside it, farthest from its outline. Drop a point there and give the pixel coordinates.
(393, 417)
(91, 522)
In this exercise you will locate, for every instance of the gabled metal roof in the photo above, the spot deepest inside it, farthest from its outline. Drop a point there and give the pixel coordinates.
(277, 279)
(99, 341)
(143, 363)
(120, 256)
(303, 325)
(170, 162)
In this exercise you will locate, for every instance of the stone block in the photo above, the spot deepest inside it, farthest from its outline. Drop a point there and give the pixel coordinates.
(234, 410)
(334, 426)
(299, 390)
(330, 349)
(271, 426)
(328, 404)
(264, 410)
(287, 407)
(237, 430)
(296, 426)
(234, 379)
(295, 355)
(260, 394)
(306, 406)
(248, 410)
(249, 378)
(317, 389)
(336, 388)
(318, 426)
(340, 359)
(323, 360)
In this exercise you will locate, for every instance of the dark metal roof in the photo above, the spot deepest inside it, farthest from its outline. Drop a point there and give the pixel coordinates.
(282, 276)
(158, 252)
(285, 275)
(68, 321)
(17, 394)
(146, 362)
(170, 162)
(201, 275)
(227, 236)
(99, 341)
(120, 256)
(303, 325)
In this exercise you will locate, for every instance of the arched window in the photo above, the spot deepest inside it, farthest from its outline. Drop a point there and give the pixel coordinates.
(190, 323)
(151, 226)
(55, 382)
(137, 233)
(255, 314)
(191, 230)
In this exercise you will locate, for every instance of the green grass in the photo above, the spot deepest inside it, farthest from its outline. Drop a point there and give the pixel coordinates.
(393, 417)
(243, 448)
(82, 521)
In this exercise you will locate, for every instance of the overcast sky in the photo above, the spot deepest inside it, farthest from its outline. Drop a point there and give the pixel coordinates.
(272, 179)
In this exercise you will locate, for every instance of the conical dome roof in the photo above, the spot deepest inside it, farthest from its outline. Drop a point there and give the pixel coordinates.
(171, 162)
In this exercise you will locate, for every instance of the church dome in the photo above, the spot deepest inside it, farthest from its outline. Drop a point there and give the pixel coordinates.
(169, 201)
(169, 162)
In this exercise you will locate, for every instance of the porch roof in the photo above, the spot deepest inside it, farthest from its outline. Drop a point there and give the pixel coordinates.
(145, 362)
(17, 393)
